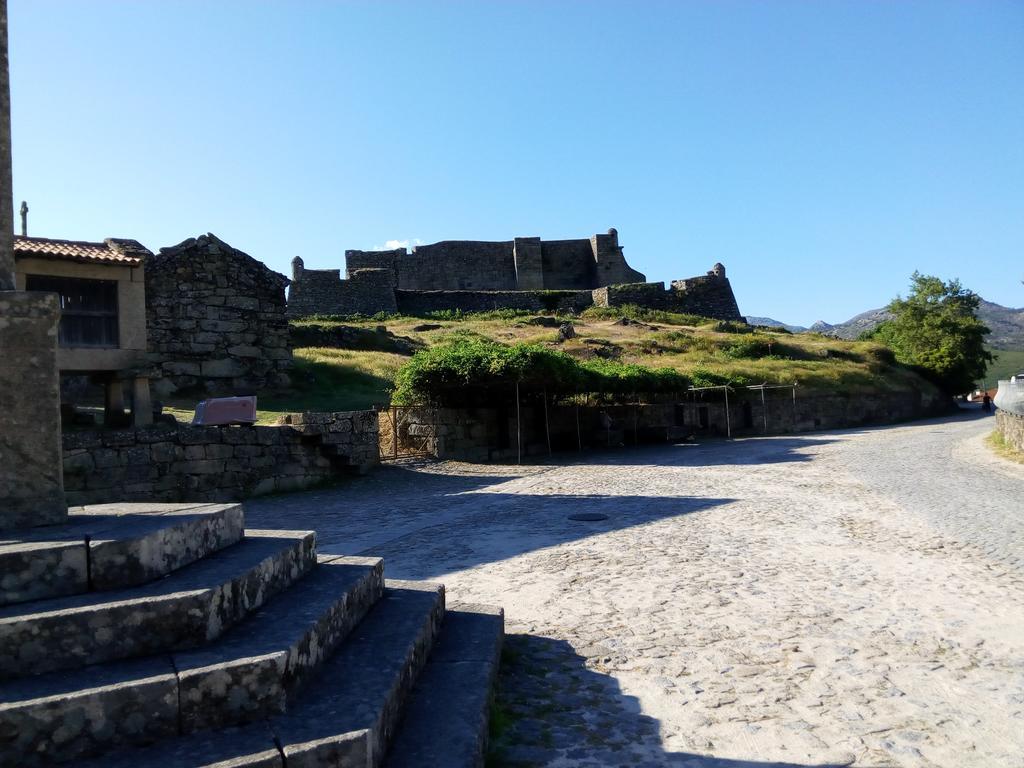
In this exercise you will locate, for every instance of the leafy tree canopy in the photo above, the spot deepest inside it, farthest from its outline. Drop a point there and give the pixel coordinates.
(936, 330)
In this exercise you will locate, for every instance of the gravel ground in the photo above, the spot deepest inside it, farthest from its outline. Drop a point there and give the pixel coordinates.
(841, 598)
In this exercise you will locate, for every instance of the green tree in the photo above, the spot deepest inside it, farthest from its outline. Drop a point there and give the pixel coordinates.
(936, 330)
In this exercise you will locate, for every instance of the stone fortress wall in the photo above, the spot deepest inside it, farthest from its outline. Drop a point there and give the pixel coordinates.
(523, 273)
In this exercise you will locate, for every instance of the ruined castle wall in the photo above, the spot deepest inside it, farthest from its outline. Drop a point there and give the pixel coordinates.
(448, 265)
(707, 295)
(651, 295)
(568, 265)
(323, 292)
(425, 302)
(216, 319)
(610, 264)
(526, 263)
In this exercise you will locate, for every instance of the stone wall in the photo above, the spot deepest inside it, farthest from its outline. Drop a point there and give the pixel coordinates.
(525, 263)
(323, 292)
(1011, 427)
(709, 295)
(216, 320)
(423, 302)
(464, 269)
(779, 414)
(187, 463)
(475, 276)
(490, 434)
(651, 295)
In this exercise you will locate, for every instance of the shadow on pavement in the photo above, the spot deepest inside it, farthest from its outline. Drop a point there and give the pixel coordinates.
(550, 709)
(480, 528)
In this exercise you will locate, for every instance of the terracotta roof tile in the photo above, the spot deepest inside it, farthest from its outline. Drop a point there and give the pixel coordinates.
(128, 253)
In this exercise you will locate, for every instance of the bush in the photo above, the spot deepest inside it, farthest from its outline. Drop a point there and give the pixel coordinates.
(749, 349)
(702, 377)
(468, 370)
(732, 326)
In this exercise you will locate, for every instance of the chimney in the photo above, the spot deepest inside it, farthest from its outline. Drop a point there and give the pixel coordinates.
(24, 219)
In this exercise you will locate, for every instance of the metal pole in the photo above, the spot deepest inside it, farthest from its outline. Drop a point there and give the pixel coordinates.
(764, 410)
(547, 426)
(794, 407)
(579, 439)
(728, 423)
(394, 432)
(519, 430)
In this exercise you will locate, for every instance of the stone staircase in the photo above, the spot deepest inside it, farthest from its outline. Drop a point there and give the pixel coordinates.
(166, 635)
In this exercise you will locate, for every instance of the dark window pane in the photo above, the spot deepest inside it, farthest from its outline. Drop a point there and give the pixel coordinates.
(88, 309)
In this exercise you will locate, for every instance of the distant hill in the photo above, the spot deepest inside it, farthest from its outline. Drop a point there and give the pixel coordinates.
(853, 327)
(1007, 325)
(767, 321)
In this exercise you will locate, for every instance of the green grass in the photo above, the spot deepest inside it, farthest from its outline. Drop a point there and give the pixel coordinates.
(704, 350)
(998, 444)
(323, 380)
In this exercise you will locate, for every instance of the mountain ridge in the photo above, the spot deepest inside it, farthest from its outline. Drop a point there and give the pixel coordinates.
(1006, 324)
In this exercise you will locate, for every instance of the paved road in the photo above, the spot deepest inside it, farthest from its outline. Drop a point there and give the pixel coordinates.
(842, 598)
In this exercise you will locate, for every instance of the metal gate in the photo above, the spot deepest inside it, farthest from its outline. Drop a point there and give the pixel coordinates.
(406, 431)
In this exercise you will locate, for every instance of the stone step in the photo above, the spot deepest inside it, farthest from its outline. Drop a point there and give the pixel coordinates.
(190, 607)
(112, 546)
(272, 654)
(345, 718)
(245, 674)
(446, 719)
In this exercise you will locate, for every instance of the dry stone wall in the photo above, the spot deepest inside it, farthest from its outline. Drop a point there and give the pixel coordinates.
(190, 463)
(1011, 427)
(491, 434)
(216, 320)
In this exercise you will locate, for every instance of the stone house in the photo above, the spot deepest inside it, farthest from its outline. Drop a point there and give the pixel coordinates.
(216, 320)
(102, 295)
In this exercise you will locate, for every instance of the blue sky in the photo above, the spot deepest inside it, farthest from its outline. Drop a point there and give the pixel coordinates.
(822, 151)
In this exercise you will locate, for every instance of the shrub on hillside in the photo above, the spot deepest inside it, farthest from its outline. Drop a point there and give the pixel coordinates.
(470, 370)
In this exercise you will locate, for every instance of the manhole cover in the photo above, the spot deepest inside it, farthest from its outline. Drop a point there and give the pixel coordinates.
(588, 517)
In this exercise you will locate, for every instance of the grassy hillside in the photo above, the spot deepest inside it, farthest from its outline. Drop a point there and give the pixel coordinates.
(1007, 363)
(343, 379)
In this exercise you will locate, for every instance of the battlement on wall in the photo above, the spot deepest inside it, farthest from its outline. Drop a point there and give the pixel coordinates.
(707, 295)
(367, 291)
(477, 275)
(520, 264)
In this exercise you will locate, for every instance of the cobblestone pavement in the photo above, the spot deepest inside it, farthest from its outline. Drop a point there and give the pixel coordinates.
(841, 598)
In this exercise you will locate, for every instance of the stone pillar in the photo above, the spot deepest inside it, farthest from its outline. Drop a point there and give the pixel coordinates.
(113, 412)
(6, 186)
(31, 471)
(31, 463)
(142, 403)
